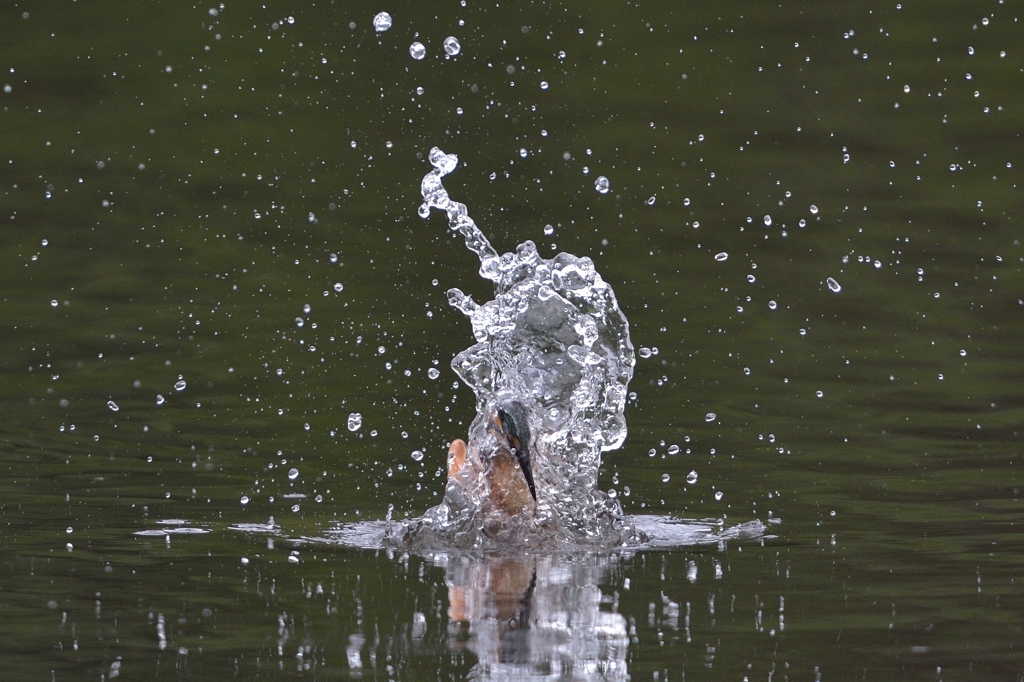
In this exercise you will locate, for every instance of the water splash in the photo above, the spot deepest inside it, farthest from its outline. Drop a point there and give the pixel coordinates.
(555, 341)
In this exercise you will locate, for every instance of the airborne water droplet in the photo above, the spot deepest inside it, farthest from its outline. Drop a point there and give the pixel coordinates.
(382, 22)
(691, 477)
(602, 185)
(452, 46)
(417, 455)
(160, 400)
(833, 285)
(293, 473)
(721, 257)
(710, 417)
(355, 420)
(179, 385)
(417, 51)
(113, 406)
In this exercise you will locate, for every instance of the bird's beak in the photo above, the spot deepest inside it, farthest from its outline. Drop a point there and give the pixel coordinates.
(517, 436)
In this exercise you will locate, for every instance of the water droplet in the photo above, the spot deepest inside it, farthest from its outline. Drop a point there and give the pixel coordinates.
(710, 417)
(833, 285)
(651, 200)
(382, 22)
(665, 478)
(644, 352)
(179, 385)
(722, 257)
(293, 473)
(433, 373)
(673, 449)
(244, 500)
(719, 495)
(113, 406)
(767, 221)
(355, 420)
(820, 394)
(339, 287)
(691, 477)
(54, 303)
(417, 51)
(772, 305)
(451, 46)
(963, 353)
(814, 209)
(549, 230)
(307, 308)
(906, 88)
(602, 185)
(160, 400)
(299, 322)
(544, 85)
(746, 370)
(292, 559)
(417, 455)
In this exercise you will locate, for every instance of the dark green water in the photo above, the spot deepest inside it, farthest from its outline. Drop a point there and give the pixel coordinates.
(177, 184)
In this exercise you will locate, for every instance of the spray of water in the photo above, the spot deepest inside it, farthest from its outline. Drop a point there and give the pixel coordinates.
(554, 342)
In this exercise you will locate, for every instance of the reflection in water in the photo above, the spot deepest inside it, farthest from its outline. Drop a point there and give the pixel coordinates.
(535, 617)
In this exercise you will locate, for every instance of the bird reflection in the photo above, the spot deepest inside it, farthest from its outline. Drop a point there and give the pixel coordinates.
(535, 616)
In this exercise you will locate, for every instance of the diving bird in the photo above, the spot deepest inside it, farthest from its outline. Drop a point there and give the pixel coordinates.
(502, 454)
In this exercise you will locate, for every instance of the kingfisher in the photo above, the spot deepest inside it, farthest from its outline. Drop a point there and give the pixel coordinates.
(505, 460)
